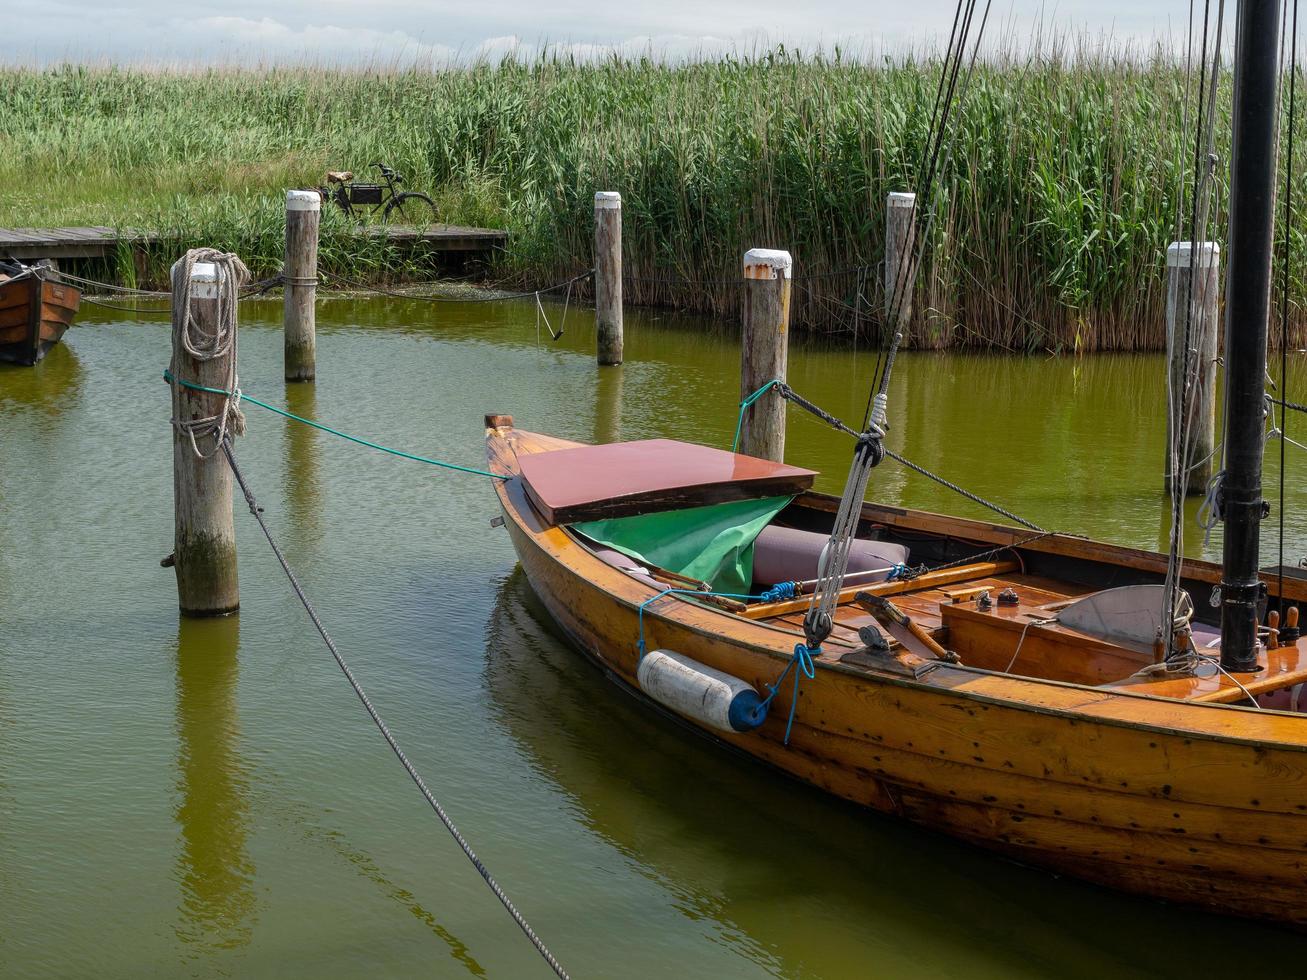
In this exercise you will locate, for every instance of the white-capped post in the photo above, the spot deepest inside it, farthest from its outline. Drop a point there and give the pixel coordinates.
(764, 350)
(608, 276)
(303, 212)
(900, 259)
(204, 550)
(1192, 278)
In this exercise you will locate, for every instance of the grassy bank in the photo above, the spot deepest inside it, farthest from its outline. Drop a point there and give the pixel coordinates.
(1061, 191)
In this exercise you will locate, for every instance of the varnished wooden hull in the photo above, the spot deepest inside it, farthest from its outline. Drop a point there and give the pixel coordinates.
(1194, 803)
(34, 313)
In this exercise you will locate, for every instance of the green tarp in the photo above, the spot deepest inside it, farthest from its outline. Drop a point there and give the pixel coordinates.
(713, 544)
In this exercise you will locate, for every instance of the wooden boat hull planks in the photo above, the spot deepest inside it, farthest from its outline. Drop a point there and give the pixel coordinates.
(34, 313)
(1194, 803)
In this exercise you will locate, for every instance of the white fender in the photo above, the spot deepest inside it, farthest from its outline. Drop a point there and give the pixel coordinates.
(700, 692)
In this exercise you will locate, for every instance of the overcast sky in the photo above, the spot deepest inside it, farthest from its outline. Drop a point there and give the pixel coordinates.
(362, 31)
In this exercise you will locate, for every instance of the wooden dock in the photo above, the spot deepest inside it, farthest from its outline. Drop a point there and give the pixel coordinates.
(97, 242)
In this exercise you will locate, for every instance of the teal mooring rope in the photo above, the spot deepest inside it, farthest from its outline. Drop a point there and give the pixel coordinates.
(744, 407)
(241, 396)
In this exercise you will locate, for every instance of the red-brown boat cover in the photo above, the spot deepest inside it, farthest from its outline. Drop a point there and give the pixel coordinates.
(620, 479)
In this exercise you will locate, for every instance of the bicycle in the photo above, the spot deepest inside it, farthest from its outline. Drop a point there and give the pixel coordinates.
(359, 200)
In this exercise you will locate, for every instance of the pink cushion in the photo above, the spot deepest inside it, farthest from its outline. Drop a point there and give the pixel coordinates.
(787, 554)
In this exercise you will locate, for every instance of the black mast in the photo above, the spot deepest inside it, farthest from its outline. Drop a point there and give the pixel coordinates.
(1247, 291)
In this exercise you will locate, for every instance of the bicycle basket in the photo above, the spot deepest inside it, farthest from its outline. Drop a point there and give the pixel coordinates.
(364, 193)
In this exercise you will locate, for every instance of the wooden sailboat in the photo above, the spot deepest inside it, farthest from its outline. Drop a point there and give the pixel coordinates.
(1021, 700)
(35, 310)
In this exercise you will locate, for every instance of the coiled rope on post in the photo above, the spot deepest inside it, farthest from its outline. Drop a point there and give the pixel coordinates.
(466, 848)
(199, 344)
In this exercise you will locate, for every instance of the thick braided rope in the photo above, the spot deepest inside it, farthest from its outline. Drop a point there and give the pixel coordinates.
(202, 345)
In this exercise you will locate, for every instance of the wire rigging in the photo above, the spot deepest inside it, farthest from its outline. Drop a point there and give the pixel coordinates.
(1284, 287)
(1181, 403)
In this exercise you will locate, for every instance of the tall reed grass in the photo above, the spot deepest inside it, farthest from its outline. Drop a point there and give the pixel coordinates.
(1054, 211)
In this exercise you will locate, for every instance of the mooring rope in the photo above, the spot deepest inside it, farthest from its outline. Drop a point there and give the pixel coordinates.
(113, 288)
(263, 285)
(240, 396)
(489, 879)
(580, 276)
(203, 346)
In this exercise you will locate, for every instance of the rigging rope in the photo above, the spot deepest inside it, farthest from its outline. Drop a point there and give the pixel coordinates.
(789, 394)
(818, 621)
(203, 346)
(466, 848)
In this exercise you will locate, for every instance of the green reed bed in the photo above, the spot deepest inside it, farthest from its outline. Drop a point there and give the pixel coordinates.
(1053, 215)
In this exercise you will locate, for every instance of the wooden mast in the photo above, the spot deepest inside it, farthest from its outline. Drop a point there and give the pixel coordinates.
(1248, 284)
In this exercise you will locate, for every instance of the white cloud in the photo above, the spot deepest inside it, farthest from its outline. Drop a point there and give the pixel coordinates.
(437, 31)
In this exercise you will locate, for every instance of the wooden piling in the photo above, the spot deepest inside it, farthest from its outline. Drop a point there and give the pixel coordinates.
(303, 211)
(900, 258)
(608, 276)
(764, 350)
(1194, 277)
(204, 553)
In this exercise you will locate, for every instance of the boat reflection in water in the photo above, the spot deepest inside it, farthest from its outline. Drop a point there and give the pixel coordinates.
(51, 388)
(797, 882)
(214, 868)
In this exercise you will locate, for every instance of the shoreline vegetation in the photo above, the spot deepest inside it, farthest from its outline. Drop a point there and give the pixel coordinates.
(1053, 215)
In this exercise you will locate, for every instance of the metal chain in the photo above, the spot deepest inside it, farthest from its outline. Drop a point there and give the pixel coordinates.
(381, 725)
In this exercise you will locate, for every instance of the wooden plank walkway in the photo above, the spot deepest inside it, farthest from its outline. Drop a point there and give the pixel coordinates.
(96, 242)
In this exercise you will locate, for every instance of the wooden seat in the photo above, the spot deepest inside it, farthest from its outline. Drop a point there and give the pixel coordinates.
(1282, 667)
(1013, 639)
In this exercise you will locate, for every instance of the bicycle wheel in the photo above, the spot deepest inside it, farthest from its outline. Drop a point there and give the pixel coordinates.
(412, 208)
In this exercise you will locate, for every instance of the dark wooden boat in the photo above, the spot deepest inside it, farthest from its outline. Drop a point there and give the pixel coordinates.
(35, 310)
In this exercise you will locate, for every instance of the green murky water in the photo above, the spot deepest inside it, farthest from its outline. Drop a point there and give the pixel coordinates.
(208, 799)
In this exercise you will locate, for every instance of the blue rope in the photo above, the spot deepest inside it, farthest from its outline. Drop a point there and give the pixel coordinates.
(744, 407)
(803, 654)
(639, 645)
(780, 592)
